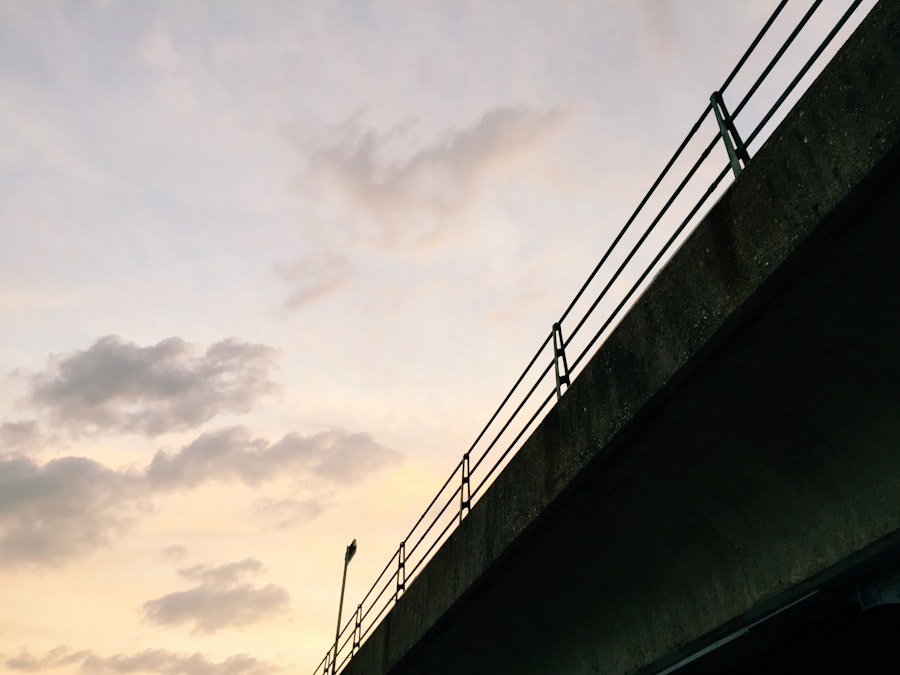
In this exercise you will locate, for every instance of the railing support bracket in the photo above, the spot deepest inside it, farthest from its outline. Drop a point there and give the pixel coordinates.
(401, 570)
(737, 151)
(559, 355)
(465, 491)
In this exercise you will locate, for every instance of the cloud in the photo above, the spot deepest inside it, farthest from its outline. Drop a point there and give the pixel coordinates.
(288, 512)
(221, 600)
(315, 277)
(151, 660)
(158, 52)
(211, 609)
(336, 456)
(66, 507)
(117, 386)
(656, 31)
(174, 552)
(20, 436)
(411, 200)
(70, 506)
(55, 658)
(222, 575)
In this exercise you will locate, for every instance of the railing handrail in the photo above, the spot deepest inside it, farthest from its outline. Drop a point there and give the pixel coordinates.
(405, 568)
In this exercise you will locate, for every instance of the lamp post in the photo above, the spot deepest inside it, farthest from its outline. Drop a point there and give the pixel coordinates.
(348, 556)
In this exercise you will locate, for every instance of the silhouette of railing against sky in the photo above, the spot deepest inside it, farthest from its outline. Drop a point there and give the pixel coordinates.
(638, 252)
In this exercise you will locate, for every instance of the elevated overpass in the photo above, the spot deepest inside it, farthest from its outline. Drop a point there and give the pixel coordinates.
(722, 479)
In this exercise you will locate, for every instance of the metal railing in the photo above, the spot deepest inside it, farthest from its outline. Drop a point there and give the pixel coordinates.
(624, 271)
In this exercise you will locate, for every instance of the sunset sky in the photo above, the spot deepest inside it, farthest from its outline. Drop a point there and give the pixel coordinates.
(266, 268)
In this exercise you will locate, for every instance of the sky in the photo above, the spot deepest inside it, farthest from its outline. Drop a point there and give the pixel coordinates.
(266, 268)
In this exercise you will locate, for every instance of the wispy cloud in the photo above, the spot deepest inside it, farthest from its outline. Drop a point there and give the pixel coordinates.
(117, 386)
(221, 600)
(411, 199)
(174, 552)
(70, 506)
(157, 50)
(314, 277)
(290, 511)
(656, 32)
(148, 661)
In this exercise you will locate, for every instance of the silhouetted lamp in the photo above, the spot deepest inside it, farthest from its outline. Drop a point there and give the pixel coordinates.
(348, 556)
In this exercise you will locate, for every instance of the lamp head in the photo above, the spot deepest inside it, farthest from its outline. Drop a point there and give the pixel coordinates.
(351, 551)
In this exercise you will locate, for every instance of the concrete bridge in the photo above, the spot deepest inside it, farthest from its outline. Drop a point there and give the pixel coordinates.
(720, 487)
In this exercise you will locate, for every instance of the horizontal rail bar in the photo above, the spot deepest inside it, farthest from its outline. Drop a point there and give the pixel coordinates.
(756, 41)
(503, 456)
(378, 578)
(390, 581)
(805, 69)
(543, 374)
(431, 548)
(635, 213)
(650, 267)
(784, 47)
(434, 521)
(433, 501)
(636, 247)
(531, 363)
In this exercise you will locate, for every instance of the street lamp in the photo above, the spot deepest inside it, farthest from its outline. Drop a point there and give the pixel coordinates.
(348, 556)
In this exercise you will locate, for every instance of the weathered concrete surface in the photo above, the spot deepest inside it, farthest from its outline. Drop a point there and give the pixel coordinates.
(737, 435)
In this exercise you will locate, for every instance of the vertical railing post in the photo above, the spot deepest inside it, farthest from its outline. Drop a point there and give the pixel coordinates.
(401, 570)
(327, 669)
(465, 491)
(357, 629)
(559, 354)
(737, 151)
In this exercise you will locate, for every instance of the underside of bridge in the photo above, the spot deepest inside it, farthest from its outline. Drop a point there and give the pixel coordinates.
(719, 490)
